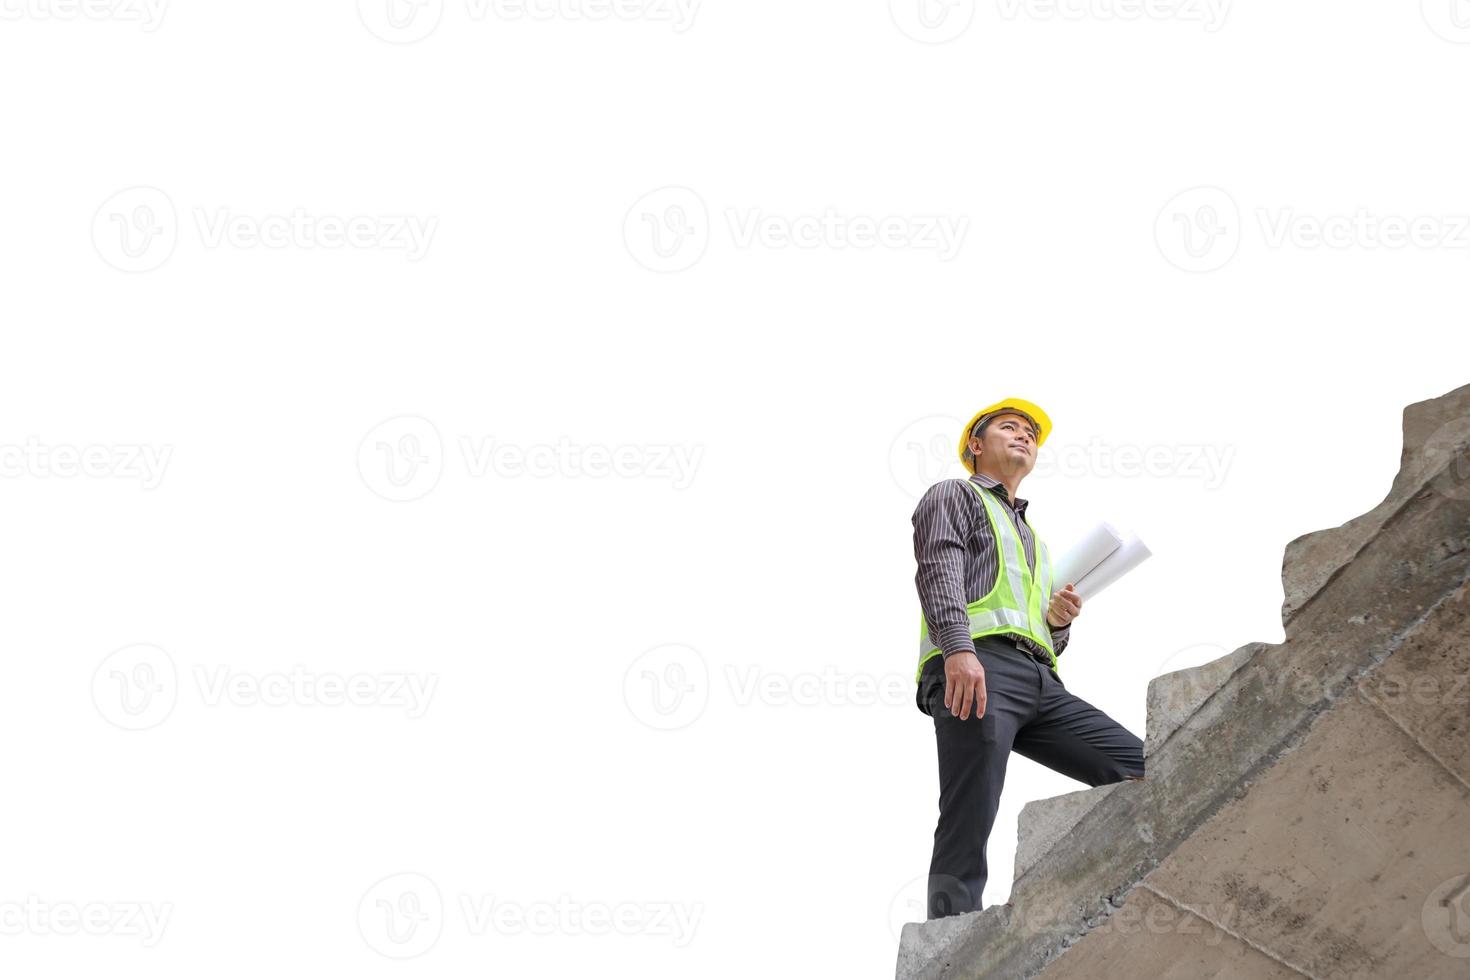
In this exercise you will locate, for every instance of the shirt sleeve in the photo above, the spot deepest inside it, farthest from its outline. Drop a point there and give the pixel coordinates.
(941, 534)
(1059, 637)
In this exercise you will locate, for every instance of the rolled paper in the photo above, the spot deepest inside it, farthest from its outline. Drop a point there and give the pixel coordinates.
(1095, 546)
(1127, 557)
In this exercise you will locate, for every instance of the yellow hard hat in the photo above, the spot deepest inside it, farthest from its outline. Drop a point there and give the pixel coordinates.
(1021, 405)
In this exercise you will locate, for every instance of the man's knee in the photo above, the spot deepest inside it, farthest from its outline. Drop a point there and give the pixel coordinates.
(1118, 774)
(1129, 768)
(1130, 760)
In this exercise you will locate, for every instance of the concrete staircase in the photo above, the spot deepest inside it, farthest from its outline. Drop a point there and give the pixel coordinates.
(1306, 811)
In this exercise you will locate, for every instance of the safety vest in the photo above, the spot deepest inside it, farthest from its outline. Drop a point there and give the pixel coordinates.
(1017, 604)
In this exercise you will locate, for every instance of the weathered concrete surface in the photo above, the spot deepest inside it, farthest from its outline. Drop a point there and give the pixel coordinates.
(1307, 806)
(1435, 433)
(1325, 865)
(921, 945)
(1047, 821)
(1174, 697)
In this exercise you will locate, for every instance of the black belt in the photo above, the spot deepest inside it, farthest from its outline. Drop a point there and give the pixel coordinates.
(1040, 658)
(1011, 639)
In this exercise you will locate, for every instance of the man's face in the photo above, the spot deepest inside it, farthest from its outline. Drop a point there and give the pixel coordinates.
(1009, 444)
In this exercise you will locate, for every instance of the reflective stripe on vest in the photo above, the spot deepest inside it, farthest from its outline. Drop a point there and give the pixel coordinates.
(1017, 602)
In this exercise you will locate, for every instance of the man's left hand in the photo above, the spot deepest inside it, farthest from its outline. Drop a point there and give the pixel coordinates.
(1065, 605)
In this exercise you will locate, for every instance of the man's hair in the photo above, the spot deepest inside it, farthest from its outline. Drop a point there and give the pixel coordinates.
(983, 424)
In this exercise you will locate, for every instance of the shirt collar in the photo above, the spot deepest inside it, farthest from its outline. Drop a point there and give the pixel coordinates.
(990, 483)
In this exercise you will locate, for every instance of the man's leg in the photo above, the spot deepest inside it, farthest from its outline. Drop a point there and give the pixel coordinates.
(1078, 740)
(972, 768)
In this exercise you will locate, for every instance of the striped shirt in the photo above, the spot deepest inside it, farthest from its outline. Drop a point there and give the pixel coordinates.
(954, 546)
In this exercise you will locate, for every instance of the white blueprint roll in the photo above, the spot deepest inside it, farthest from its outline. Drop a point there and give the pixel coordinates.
(1127, 557)
(1095, 546)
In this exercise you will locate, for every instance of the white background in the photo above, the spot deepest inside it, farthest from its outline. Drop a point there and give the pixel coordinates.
(1138, 196)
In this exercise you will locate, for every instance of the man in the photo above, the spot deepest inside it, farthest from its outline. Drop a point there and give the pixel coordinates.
(993, 627)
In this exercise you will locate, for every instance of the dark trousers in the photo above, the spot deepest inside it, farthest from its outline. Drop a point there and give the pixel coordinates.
(1028, 710)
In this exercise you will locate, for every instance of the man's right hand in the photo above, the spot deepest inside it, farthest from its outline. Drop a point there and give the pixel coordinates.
(964, 685)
